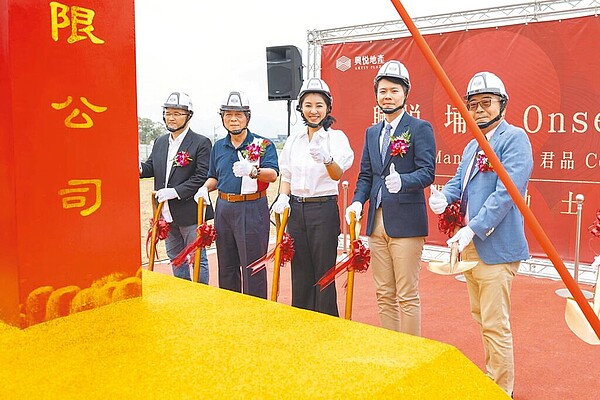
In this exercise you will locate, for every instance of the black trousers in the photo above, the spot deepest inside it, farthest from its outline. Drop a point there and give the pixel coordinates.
(242, 238)
(315, 228)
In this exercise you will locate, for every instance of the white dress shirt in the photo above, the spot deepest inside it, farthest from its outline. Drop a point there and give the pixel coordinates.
(306, 177)
(171, 153)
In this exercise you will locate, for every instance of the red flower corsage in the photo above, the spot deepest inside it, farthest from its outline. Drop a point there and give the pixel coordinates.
(399, 144)
(181, 159)
(450, 219)
(254, 150)
(483, 163)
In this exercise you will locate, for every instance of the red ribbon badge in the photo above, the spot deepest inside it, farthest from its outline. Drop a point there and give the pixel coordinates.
(358, 260)
(161, 233)
(287, 253)
(206, 236)
(450, 219)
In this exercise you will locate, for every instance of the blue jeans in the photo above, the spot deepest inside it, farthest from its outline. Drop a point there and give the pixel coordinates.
(179, 237)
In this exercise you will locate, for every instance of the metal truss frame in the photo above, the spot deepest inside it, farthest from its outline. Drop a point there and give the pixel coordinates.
(526, 13)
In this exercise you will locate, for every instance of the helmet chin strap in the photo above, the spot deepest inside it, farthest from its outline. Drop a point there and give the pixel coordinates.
(483, 125)
(187, 119)
(391, 110)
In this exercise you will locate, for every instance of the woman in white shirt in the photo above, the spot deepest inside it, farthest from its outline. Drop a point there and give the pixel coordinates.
(311, 165)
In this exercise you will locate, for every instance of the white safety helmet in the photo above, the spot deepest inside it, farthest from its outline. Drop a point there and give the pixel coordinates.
(486, 82)
(179, 100)
(393, 69)
(235, 101)
(315, 85)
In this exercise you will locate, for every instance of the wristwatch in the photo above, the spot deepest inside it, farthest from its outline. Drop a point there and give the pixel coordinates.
(254, 172)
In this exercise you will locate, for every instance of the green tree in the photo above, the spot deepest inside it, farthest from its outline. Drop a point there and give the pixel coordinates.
(149, 130)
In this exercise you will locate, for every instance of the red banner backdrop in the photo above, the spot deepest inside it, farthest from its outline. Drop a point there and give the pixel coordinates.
(550, 70)
(70, 188)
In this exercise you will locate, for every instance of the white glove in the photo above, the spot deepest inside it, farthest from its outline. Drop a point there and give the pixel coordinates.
(357, 208)
(319, 154)
(166, 194)
(393, 181)
(140, 164)
(282, 202)
(202, 192)
(243, 167)
(463, 237)
(437, 201)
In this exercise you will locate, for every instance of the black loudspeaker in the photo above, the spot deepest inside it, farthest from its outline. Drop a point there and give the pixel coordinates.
(284, 72)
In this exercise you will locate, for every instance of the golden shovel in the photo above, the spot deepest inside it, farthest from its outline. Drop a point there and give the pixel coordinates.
(453, 266)
(354, 226)
(280, 224)
(577, 322)
(198, 253)
(157, 210)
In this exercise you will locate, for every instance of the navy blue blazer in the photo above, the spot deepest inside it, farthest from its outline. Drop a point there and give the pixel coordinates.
(185, 180)
(405, 212)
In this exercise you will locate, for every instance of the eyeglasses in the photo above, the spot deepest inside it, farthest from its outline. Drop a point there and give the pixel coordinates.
(485, 103)
(174, 114)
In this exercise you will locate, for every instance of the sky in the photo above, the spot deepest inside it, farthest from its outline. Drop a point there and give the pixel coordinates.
(208, 49)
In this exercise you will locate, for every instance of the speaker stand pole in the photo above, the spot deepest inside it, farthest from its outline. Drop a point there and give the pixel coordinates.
(289, 108)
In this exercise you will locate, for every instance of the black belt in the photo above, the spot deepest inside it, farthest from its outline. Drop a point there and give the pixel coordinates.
(318, 199)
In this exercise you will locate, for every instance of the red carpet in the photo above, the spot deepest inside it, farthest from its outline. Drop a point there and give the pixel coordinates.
(551, 362)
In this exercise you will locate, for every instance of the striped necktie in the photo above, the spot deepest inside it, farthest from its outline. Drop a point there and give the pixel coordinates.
(385, 143)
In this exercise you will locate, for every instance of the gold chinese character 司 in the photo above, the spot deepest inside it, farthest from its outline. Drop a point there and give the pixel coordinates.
(74, 197)
(69, 120)
(80, 21)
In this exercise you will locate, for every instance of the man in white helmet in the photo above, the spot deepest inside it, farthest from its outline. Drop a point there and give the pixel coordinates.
(242, 165)
(493, 233)
(398, 163)
(179, 164)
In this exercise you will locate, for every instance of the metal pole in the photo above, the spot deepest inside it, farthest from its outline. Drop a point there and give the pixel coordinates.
(565, 292)
(579, 200)
(345, 224)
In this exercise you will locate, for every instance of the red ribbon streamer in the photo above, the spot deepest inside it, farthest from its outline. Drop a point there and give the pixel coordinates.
(595, 227)
(161, 233)
(450, 219)
(205, 238)
(358, 260)
(287, 253)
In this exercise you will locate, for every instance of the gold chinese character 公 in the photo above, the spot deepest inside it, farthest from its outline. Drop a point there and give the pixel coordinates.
(74, 198)
(69, 120)
(80, 16)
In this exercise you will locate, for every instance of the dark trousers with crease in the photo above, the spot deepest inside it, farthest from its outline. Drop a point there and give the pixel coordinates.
(242, 238)
(315, 228)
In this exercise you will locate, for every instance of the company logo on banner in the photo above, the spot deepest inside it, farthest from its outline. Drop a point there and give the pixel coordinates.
(554, 101)
(361, 62)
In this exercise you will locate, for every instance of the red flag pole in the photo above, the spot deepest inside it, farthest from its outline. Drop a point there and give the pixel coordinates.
(530, 219)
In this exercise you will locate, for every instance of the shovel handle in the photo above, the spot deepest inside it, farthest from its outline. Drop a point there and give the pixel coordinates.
(198, 253)
(157, 208)
(277, 258)
(350, 286)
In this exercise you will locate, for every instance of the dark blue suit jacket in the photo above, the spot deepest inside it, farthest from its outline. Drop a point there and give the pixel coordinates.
(185, 180)
(405, 212)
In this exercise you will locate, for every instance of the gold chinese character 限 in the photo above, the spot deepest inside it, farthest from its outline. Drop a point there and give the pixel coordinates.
(75, 197)
(80, 21)
(69, 120)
